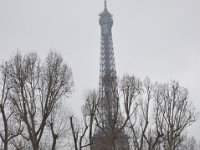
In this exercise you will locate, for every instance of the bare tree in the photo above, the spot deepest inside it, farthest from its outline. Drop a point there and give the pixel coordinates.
(89, 111)
(59, 126)
(145, 134)
(11, 125)
(109, 118)
(162, 113)
(37, 87)
(175, 113)
(82, 134)
(79, 133)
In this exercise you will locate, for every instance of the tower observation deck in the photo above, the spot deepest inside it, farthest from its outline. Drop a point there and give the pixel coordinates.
(108, 137)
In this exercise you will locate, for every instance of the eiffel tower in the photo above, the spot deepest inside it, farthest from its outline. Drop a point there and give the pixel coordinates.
(108, 135)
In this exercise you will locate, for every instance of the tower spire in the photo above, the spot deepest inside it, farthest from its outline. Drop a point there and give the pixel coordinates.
(105, 5)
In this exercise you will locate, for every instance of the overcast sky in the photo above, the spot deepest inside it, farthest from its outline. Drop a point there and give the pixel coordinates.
(155, 38)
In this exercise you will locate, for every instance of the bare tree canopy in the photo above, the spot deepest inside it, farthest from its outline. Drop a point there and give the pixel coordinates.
(36, 89)
(32, 115)
(10, 125)
(161, 119)
(174, 113)
(155, 116)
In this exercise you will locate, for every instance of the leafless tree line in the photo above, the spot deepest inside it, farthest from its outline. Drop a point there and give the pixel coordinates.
(33, 115)
(154, 116)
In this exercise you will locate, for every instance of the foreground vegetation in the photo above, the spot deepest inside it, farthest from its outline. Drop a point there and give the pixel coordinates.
(33, 114)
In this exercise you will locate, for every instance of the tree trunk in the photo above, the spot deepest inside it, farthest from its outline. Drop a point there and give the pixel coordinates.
(54, 143)
(115, 146)
(5, 141)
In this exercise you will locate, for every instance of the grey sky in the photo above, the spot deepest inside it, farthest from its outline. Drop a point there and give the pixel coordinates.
(155, 38)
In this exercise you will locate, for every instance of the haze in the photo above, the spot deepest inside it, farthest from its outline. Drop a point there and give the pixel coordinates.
(155, 38)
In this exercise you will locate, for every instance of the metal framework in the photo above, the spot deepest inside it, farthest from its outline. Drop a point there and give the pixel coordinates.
(109, 111)
(108, 93)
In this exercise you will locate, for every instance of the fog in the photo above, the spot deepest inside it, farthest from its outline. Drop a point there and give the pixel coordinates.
(158, 39)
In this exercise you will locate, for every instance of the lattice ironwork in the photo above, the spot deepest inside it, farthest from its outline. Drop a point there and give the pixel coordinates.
(109, 111)
(108, 93)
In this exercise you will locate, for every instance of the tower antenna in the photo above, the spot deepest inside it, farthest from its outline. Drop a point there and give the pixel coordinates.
(105, 3)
